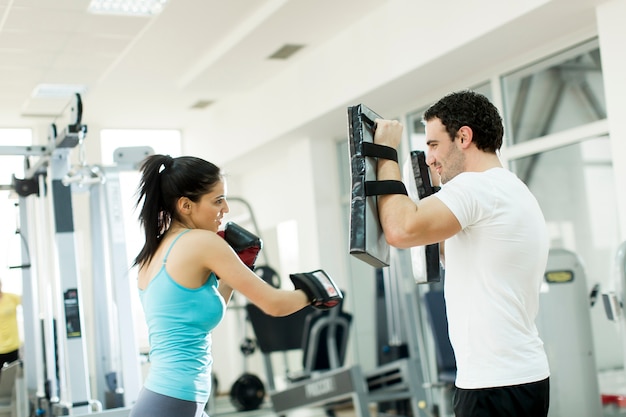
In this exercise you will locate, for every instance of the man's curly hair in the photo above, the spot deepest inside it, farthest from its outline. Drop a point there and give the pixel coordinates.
(468, 108)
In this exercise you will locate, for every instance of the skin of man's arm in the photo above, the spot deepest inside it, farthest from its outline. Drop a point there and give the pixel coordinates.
(406, 224)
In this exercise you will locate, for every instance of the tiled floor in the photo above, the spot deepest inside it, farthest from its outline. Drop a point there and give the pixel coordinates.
(609, 382)
(222, 407)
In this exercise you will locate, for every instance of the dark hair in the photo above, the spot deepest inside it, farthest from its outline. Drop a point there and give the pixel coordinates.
(163, 181)
(468, 108)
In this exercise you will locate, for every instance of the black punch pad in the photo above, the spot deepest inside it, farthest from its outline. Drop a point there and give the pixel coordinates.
(367, 241)
(425, 188)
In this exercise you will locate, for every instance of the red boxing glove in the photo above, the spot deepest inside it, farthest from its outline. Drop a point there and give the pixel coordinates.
(249, 255)
(246, 244)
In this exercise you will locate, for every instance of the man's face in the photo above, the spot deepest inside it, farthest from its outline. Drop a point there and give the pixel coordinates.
(444, 154)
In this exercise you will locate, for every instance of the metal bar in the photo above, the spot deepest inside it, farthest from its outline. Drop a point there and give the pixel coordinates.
(74, 377)
(33, 351)
(31, 150)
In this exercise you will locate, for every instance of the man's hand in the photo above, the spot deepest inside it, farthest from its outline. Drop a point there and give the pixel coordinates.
(388, 133)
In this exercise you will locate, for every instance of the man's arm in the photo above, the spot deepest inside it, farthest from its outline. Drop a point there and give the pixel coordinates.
(406, 224)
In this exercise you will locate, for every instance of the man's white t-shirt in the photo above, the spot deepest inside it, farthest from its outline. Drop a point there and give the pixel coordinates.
(493, 274)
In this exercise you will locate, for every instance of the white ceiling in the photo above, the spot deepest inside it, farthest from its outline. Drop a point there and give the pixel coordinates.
(149, 72)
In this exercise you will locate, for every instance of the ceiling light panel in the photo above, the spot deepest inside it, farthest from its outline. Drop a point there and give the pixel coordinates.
(57, 90)
(127, 7)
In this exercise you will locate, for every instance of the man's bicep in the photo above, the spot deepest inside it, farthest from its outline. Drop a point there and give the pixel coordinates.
(434, 222)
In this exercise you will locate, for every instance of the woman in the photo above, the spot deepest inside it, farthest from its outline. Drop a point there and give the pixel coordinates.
(9, 332)
(184, 201)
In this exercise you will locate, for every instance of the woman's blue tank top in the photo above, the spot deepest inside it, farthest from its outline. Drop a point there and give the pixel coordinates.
(179, 322)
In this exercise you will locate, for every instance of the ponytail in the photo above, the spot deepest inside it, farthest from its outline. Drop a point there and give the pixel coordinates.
(163, 181)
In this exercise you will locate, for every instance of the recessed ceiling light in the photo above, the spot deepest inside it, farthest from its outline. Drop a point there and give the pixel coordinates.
(57, 90)
(127, 7)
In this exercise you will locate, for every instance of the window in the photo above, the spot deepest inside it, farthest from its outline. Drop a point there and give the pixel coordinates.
(556, 94)
(12, 163)
(574, 186)
(547, 108)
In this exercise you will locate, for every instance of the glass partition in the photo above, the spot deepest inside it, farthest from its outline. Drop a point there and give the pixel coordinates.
(558, 93)
(12, 163)
(574, 186)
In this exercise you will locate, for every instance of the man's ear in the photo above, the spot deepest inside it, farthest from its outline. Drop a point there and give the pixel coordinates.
(466, 135)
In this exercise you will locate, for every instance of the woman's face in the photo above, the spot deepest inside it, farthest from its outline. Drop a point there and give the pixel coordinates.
(207, 213)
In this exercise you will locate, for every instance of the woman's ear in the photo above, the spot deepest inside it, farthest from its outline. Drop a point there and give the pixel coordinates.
(184, 205)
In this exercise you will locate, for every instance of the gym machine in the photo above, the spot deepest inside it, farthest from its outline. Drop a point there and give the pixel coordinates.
(564, 324)
(613, 302)
(401, 379)
(118, 365)
(404, 343)
(64, 340)
(56, 367)
(322, 337)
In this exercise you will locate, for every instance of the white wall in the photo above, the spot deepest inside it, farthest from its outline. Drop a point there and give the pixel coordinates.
(611, 32)
(400, 37)
(397, 59)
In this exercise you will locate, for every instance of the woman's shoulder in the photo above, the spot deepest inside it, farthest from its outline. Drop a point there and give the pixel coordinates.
(191, 253)
(194, 240)
(200, 234)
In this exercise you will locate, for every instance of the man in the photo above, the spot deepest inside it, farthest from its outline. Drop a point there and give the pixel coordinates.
(496, 249)
(9, 334)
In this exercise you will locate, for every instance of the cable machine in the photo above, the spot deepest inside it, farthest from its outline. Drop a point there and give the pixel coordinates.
(66, 383)
(56, 365)
(118, 368)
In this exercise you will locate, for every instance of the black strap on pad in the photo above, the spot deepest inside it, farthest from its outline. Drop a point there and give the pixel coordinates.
(384, 187)
(379, 151)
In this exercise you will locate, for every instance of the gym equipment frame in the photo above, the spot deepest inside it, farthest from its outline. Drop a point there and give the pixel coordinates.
(55, 356)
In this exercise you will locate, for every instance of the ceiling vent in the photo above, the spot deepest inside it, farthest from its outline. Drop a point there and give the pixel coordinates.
(286, 51)
(201, 104)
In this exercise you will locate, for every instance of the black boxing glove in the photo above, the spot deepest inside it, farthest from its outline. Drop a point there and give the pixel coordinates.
(319, 288)
(246, 244)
